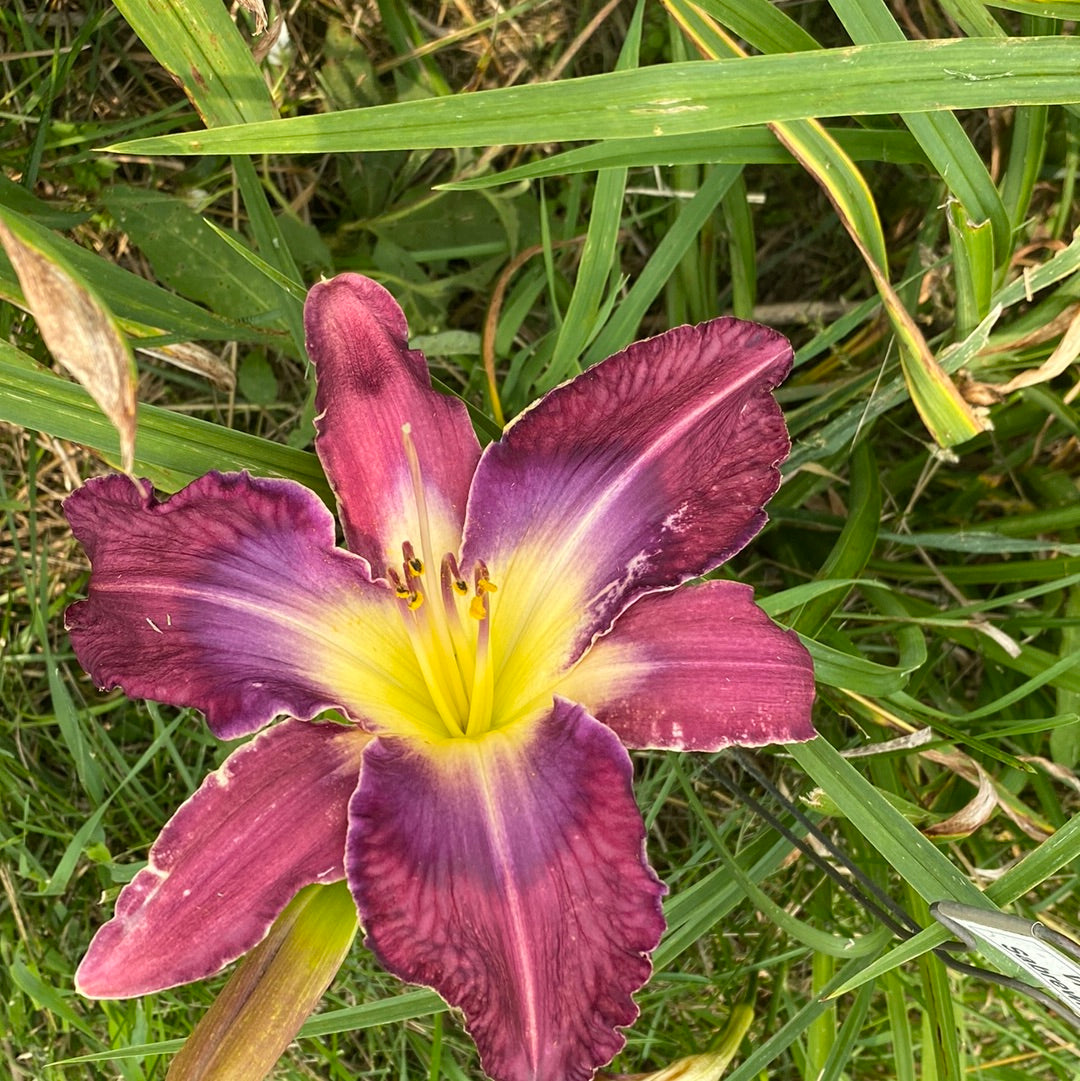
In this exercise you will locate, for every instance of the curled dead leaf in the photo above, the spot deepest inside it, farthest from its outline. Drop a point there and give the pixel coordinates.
(1064, 355)
(196, 359)
(1009, 804)
(257, 10)
(975, 813)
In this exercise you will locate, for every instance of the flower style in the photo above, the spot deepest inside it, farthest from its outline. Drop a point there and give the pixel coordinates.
(503, 624)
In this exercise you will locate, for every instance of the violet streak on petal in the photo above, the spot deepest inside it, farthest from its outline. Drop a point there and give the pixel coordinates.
(647, 470)
(370, 384)
(698, 669)
(509, 874)
(229, 596)
(271, 820)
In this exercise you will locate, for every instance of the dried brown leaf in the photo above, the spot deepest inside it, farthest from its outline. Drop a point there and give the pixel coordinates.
(80, 334)
(196, 359)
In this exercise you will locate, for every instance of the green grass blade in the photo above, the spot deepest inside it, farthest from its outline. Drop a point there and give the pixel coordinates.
(764, 25)
(395, 1008)
(742, 249)
(973, 18)
(943, 410)
(273, 247)
(200, 45)
(620, 329)
(672, 99)
(973, 267)
(192, 256)
(598, 256)
(855, 543)
(736, 146)
(1027, 150)
(146, 309)
(917, 860)
(1022, 877)
(591, 283)
(939, 134)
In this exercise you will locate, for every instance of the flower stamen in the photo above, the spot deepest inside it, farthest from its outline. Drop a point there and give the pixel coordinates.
(436, 645)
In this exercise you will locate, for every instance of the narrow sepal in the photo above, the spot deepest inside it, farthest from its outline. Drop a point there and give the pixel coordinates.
(697, 669)
(273, 990)
(271, 820)
(509, 874)
(370, 384)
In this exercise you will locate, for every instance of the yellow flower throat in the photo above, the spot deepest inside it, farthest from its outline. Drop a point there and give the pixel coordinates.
(450, 632)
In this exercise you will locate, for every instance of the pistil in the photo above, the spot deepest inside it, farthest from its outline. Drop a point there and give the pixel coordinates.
(483, 685)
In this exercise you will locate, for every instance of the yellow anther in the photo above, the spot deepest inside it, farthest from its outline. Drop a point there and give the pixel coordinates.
(402, 593)
(484, 586)
(416, 599)
(416, 566)
(461, 587)
(477, 608)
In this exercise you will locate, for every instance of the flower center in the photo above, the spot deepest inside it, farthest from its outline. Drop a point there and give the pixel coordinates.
(449, 622)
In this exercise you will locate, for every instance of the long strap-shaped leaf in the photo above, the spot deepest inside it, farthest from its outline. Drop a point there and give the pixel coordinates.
(914, 76)
(946, 415)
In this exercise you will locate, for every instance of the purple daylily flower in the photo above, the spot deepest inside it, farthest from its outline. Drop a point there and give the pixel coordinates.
(502, 626)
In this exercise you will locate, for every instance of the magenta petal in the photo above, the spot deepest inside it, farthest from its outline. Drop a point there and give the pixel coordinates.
(509, 874)
(272, 819)
(647, 470)
(370, 384)
(697, 670)
(216, 598)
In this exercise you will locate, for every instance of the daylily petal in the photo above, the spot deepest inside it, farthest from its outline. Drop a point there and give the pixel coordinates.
(509, 874)
(370, 384)
(271, 820)
(231, 597)
(647, 470)
(697, 670)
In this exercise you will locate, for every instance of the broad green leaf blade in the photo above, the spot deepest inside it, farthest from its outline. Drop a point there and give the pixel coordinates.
(190, 255)
(673, 99)
(200, 45)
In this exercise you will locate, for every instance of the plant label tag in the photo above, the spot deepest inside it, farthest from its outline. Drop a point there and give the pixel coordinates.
(1042, 953)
